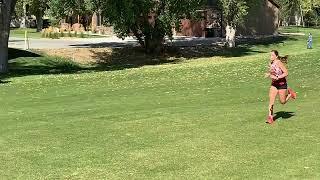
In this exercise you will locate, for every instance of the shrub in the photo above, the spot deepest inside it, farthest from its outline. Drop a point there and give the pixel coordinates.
(82, 35)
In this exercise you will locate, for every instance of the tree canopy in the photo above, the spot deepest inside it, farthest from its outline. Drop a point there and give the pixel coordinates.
(307, 10)
(149, 20)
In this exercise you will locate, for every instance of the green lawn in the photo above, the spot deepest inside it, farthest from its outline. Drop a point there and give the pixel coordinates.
(20, 33)
(199, 118)
(33, 34)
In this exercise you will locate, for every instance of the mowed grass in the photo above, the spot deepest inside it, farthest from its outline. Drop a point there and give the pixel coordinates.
(199, 119)
(33, 34)
(20, 33)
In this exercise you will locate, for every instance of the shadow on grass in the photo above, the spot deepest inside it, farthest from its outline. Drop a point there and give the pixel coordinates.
(23, 63)
(283, 115)
(15, 40)
(16, 53)
(4, 82)
(134, 57)
(131, 57)
(44, 65)
(266, 41)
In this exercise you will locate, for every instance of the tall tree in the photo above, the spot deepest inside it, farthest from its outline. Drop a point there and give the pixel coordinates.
(148, 20)
(234, 13)
(310, 10)
(302, 10)
(19, 9)
(292, 8)
(63, 8)
(38, 8)
(6, 9)
(20, 12)
(316, 7)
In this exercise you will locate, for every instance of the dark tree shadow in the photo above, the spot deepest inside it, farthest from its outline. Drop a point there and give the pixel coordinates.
(46, 66)
(4, 81)
(283, 115)
(132, 57)
(123, 44)
(23, 63)
(15, 40)
(13, 54)
(16, 53)
(265, 40)
(124, 57)
(190, 48)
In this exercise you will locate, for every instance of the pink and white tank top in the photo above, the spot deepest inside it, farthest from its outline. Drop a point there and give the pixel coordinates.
(276, 70)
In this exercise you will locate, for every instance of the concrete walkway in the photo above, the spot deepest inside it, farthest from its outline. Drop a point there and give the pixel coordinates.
(111, 42)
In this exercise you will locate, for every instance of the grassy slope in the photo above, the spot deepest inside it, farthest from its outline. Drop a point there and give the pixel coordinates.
(200, 118)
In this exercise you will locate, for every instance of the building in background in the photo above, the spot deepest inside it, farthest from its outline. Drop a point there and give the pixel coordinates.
(261, 20)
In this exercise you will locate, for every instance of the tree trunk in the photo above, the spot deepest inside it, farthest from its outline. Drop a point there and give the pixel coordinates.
(302, 18)
(39, 22)
(154, 45)
(154, 38)
(3, 51)
(94, 22)
(138, 36)
(24, 22)
(231, 36)
(6, 8)
(150, 35)
(298, 20)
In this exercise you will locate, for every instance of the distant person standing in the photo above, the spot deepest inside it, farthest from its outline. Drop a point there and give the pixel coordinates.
(309, 42)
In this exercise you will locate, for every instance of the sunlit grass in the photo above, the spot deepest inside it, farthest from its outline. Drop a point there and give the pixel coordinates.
(200, 118)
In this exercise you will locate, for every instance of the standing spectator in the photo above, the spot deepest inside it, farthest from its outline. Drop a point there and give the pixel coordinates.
(309, 42)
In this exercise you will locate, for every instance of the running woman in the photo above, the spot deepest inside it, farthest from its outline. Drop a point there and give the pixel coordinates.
(278, 74)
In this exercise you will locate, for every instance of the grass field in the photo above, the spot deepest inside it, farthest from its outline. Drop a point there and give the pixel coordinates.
(33, 34)
(194, 119)
(20, 33)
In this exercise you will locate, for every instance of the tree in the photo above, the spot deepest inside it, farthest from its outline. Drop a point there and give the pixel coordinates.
(234, 13)
(317, 12)
(292, 8)
(35, 7)
(148, 20)
(310, 10)
(64, 8)
(38, 8)
(20, 12)
(6, 9)
(19, 9)
(302, 10)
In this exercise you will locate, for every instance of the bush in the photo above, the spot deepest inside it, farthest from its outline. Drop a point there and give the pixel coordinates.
(55, 35)
(50, 35)
(55, 22)
(82, 35)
